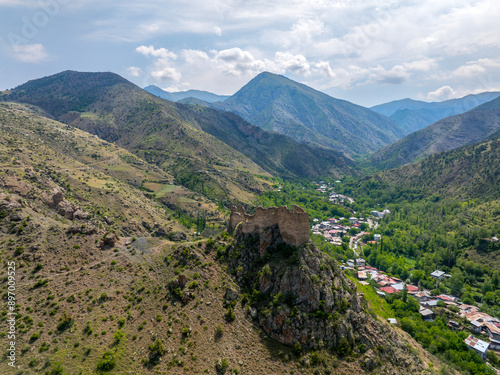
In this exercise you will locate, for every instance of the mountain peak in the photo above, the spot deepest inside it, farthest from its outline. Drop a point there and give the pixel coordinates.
(277, 103)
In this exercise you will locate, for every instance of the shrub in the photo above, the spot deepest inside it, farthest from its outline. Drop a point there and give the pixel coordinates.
(119, 335)
(230, 315)
(64, 322)
(107, 362)
(219, 331)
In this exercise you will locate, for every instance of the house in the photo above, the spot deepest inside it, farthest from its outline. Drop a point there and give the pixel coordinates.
(454, 325)
(430, 303)
(446, 298)
(438, 275)
(422, 296)
(476, 326)
(377, 237)
(381, 294)
(389, 290)
(392, 320)
(362, 275)
(493, 332)
(467, 309)
(353, 220)
(412, 289)
(427, 314)
(360, 262)
(479, 346)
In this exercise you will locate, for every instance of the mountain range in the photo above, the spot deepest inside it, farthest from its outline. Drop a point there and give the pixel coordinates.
(447, 134)
(180, 95)
(180, 139)
(276, 103)
(413, 115)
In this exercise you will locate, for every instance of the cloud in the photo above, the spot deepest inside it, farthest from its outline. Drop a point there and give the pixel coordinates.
(160, 52)
(443, 93)
(162, 69)
(296, 64)
(166, 74)
(30, 53)
(134, 71)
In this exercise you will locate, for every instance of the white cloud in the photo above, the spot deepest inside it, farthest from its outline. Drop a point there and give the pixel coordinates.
(468, 71)
(443, 93)
(296, 64)
(166, 74)
(134, 71)
(324, 68)
(152, 51)
(31, 53)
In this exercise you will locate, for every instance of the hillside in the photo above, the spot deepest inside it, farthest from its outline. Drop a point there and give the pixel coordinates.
(272, 151)
(189, 94)
(155, 129)
(446, 134)
(105, 283)
(277, 103)
(413, 115)
(470, 172)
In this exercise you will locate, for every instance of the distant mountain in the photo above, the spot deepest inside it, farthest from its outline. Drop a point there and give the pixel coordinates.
(446, 134)
(471, 171)
(182, 139)
(277, 103)
(413, 115)
(177, 96)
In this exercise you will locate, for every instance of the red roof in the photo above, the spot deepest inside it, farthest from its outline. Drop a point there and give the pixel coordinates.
(411, 288)
(445, 298)
(388, 289)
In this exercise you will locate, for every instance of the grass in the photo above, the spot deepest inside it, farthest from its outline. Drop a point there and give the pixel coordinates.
(376, 303)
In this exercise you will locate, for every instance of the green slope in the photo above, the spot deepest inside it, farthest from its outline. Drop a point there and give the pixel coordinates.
(446, 134)
(164, 133)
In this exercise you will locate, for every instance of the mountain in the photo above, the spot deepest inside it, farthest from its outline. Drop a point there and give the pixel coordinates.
(446, 134)
(413, 115)
(277, 103)
(171, 135)
(180, 95)
(470, 172)
(113, 284)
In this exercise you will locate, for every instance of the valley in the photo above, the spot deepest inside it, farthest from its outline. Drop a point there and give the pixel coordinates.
(116, 207)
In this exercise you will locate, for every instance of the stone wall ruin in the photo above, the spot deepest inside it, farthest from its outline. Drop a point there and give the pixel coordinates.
(293, 225)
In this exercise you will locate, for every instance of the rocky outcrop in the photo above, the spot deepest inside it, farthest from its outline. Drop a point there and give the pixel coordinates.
(293, 225)
(65, 208)
(300, 297)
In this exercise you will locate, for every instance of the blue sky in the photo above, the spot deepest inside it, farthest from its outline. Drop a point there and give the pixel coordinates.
(367, 52)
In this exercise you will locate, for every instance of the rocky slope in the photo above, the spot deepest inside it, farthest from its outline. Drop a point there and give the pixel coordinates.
(302, 299)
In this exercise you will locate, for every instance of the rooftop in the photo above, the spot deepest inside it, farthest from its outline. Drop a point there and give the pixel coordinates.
(475, 343)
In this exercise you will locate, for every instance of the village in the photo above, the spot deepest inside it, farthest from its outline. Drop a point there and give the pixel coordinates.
(466, 317)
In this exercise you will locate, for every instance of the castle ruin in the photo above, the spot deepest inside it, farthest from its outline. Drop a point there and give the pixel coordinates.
(293, 225)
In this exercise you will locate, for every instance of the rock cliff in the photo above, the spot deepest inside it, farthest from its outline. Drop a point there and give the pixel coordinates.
(301, 298)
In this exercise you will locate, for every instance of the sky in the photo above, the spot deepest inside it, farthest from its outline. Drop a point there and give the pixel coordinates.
(367, 52)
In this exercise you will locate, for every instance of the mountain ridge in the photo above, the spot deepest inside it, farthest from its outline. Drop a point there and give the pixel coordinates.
(164, 133)
(180, 95)
(414, 115)
(274, 102)
(446, 134)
